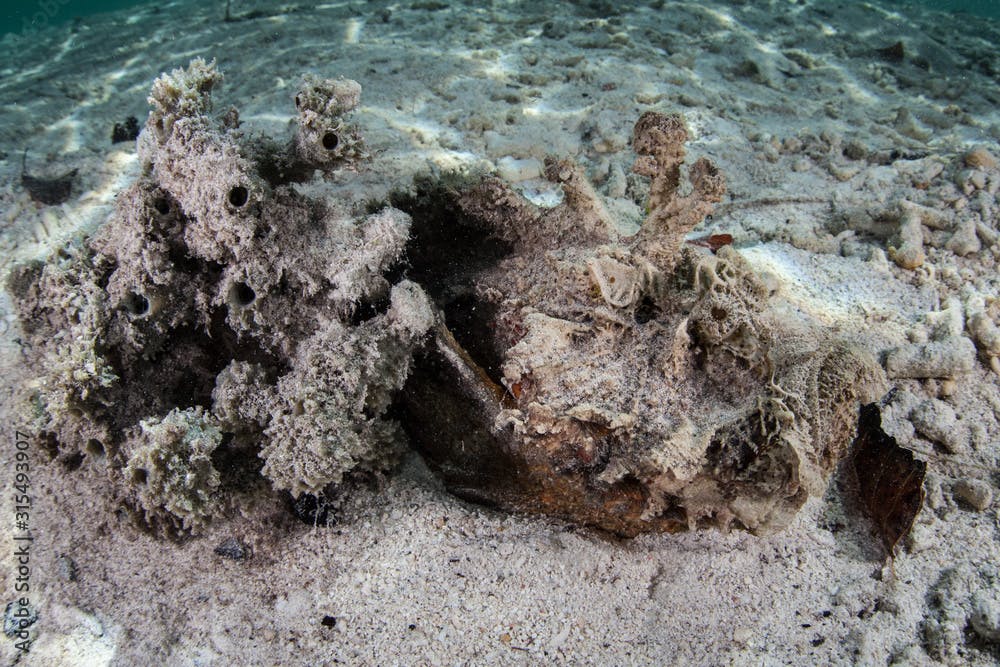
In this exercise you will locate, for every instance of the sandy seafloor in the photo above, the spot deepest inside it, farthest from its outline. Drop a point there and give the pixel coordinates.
(773, 92)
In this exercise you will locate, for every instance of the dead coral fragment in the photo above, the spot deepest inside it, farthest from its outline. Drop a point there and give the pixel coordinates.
(946, 358)
(633, 384)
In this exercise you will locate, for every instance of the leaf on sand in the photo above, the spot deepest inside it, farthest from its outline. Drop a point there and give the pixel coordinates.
(890, 479)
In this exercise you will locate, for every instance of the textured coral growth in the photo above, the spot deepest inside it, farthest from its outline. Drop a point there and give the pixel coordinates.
(631, 383)
(220, 312)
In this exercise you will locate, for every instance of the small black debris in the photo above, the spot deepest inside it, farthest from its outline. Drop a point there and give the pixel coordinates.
(17, 618)
(893, 54)
(49, 191)
(127, 131)
(67, 568)
(329, 622)
(233, 549)
(310, 509)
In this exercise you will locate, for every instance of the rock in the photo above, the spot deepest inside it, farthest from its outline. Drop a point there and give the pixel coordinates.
(921, 538)
(855, 150)
(985, 332)
(976, 493)
(609, 137)
(985, 616)
(908, 252)
(947, 323)
(948, 358)
(17, 618)
(233, 549)
(964, 241)
(936, 420)
(980, 158)
(512, 169)
(792, 145)
(970, 180)
(908, 126)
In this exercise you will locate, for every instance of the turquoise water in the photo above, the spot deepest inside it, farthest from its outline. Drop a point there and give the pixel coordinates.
(30, 15)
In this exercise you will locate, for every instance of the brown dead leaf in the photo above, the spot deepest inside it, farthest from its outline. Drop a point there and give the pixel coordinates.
(713, 241)
(890, 479)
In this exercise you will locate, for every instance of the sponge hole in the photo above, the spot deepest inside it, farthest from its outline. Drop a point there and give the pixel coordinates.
(161, 205)
(239, 196)
(241, 294)
(136, 304)
(94, 448)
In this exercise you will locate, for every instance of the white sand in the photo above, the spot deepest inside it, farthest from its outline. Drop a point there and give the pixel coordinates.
(413, 576)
